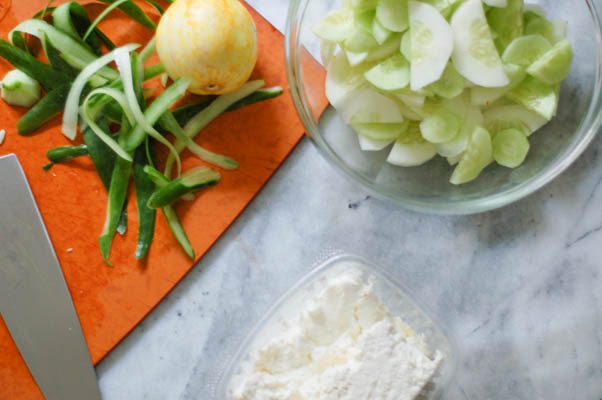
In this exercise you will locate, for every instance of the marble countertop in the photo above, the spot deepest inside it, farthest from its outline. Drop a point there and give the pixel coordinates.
(519, 289)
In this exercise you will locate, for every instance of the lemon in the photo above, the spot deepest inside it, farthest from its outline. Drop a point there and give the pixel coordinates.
(211, 42)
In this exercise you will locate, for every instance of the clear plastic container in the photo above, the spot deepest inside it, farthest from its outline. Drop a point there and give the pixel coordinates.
(391, 293)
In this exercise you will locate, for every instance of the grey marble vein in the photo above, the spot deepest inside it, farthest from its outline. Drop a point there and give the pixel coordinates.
(519, 289)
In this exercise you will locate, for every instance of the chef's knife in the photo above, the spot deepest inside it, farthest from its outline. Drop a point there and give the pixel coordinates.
(34, 299)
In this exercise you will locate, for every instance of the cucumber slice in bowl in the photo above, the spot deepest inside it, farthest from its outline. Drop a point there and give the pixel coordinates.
(372, 145)
(475, 55)
(510, 148)
(369, 106)
(518, 117)
(485, 97)
(391, 74)
(342, 79)
(380, 33)
(507, 23)
(431, 44)
(337, 26)
(536, 96)
(554, 65)
(380, 132)
(496, 3)
(411, 150)
(450, 85)
(440, 127)
(458, 144)
(526, 49)
(393, 14)
(477, 157)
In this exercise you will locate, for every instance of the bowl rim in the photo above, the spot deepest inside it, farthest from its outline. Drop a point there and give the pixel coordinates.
(587, 131)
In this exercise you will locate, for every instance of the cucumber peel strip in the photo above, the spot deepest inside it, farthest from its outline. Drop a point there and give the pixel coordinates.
(124, 64)
(69, 128)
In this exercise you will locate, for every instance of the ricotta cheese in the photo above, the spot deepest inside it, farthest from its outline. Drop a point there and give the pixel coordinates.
(344, 345)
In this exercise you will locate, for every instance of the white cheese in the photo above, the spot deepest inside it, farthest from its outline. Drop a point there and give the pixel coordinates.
(345, 345)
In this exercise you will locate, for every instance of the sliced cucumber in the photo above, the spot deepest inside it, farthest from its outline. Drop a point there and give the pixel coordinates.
(411, 150)
(554, 65)
(475, 55)
(485, 97)
(496, 3)
(440, 127)
(380, 33)
(512, 116)
(327, 50)
(445, 7)
(431, 44)
(342, 79)
(372, 145)
(337, 26)
(538, 25)
(361, 38)
(387, 49)
(367, 105)
(536, 96)
(477, 157)
(393, 14)
(510, 147)
(450, 85)
(380, 132)
(454, 160)
(391, 74)
(411, 99)
(506, 23)
(356, 59)
(363, 4)
(526, 49)
(406, 45)
(19, 89)
(458, 145)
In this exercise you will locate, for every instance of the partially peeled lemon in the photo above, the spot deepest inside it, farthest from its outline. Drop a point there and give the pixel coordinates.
(211, 42)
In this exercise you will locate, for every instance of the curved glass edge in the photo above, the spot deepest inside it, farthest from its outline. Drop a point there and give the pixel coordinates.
(587, 131)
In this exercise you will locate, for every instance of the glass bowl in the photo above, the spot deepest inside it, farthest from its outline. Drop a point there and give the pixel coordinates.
(426, 188)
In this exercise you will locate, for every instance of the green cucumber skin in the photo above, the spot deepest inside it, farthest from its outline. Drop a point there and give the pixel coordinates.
(174, 190)
(48, 77)
(146, 216)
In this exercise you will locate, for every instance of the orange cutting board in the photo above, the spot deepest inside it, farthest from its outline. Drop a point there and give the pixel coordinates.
(112, 301)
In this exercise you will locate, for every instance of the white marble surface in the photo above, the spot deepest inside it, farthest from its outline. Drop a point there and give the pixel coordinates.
(519, 289)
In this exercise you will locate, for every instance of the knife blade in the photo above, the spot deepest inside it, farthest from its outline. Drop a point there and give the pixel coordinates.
(34, 298)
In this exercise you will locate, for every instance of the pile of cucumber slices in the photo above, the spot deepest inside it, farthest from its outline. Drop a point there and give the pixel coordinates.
(468, 80)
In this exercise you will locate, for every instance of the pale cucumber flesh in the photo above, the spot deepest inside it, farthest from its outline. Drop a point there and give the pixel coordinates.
(468, 80)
